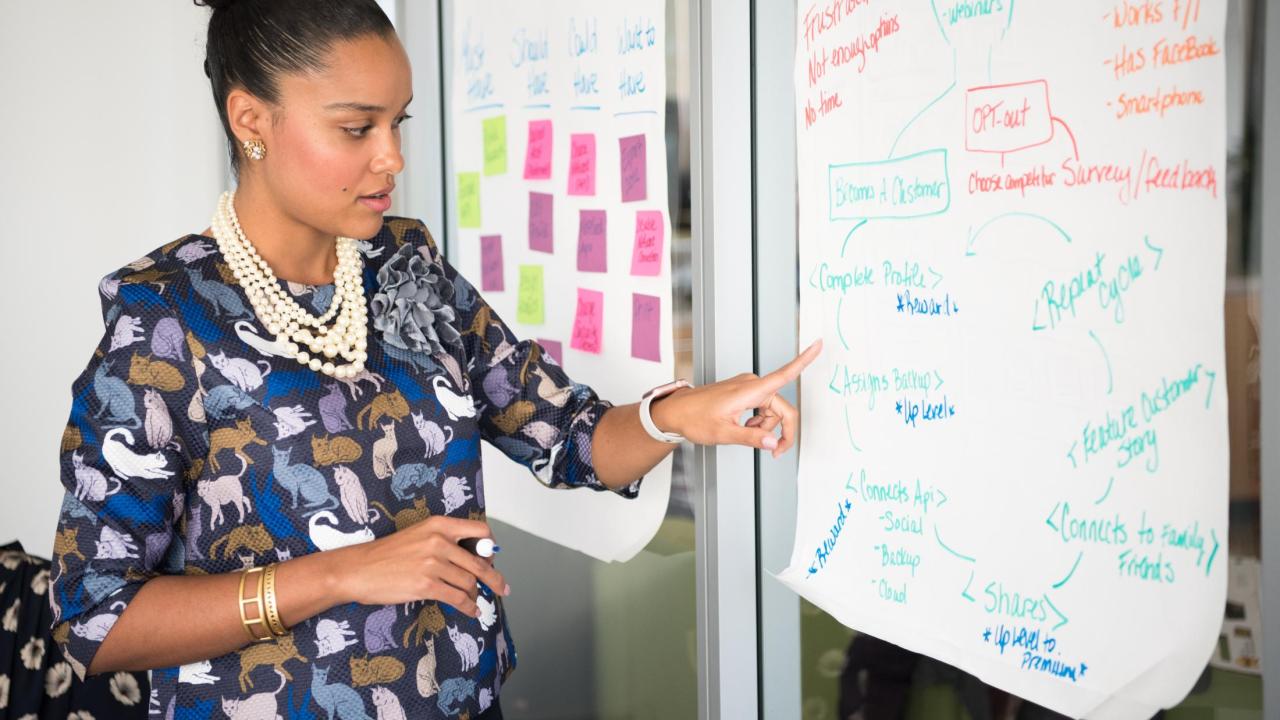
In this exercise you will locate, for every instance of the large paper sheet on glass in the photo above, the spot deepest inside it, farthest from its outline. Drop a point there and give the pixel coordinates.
(559, 152)
(1013, 242)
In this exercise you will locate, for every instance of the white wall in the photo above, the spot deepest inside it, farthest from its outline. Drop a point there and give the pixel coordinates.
(109, 147)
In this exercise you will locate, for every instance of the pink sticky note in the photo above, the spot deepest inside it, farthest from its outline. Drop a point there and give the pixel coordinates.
(553, 348)
(646, 319)
(646, 258)
(582, 164)
(537, 154)
(588, 322)
(592, 250)
(541, 222)
(634, 168)
(491, 263)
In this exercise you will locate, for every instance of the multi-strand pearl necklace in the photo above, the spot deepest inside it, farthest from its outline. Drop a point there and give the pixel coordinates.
(313, 340)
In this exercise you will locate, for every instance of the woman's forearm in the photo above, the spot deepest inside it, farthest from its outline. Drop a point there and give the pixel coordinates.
(157, 630)
(621, 450)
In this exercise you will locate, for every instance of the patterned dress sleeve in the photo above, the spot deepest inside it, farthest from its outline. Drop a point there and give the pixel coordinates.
(135, 412)
(530, 409)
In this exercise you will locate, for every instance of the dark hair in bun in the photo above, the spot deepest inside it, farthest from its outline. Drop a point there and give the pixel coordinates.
(252, 43)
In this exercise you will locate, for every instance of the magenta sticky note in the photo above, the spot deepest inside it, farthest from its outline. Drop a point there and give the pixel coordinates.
(592, 232)
(651, 231)
(582, 164)
(537, 153)
(646, 320)
(491, 263)
(541, 222)
(588, 322)
(634, 168)
(554, 349)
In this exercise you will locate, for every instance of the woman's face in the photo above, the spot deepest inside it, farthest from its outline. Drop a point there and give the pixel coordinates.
(335, 138)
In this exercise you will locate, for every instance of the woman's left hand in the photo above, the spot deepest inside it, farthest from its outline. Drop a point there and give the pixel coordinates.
(708, 415)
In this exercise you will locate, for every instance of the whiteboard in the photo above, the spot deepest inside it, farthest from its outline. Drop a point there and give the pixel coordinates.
(1012, 240)
(558, 113)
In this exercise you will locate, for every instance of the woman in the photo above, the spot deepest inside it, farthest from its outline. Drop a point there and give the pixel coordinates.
(274, 452)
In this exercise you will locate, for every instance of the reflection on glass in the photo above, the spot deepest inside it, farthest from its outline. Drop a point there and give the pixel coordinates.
(842, 673)
(599, 640)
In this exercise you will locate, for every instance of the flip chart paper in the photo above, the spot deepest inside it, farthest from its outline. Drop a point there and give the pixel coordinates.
(1012, 235)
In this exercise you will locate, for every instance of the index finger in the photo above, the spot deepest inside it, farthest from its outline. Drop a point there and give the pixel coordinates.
(775, 380)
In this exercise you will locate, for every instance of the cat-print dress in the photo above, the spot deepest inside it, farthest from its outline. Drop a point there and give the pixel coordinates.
(195, 446)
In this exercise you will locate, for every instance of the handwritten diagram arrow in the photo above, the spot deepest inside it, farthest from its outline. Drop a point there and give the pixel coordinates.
(974, 235)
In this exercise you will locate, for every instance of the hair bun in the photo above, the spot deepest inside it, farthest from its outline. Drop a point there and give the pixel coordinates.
(216, 4)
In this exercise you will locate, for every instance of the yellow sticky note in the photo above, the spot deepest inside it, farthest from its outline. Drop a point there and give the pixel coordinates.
(495, 145)
(529, 298)
(469, 200)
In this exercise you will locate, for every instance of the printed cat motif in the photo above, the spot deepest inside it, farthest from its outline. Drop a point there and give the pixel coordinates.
(328, 536)
(128, 331)
(283, 554)
(549, 391)
(333, 637)
(466, 647)
(222, 299)
(65, 545)
(167, 341)
(497, 386)
(224, 490)
(223, 401)
(485, 698)
(259, 706)
(377, 630)
(408, 516)
(384, 450)
(333, 450)
(158, 423)
(155, 373)
(197, 673)
(390, 404)
(514, 417)
(353, 382)
(456, 493)
(254, 538)
(302, 480)
(543, 433)
(115, 399)
(429, 620)
(234, 439)
(454, 690)
(291, 420)
(248, 376)
(338, 700)
(457, 406)
(117, 450)
(413, 475)
(354, 499)
(195, 528)
(333, 410)
(275, 653)
(194, 251)
(488, 611)
(374, 671)
(73, 508)
(91, 484)
(248, 334)
(97, 627)
(387, 704)
(433, 437)
(426, 673)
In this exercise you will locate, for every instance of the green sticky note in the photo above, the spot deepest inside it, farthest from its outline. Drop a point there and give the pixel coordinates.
(495, 145)
(469, 200)
(529, 298)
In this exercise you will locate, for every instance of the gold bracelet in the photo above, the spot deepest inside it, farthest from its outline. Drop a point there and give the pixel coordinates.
(274, 624)
(245, 620)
